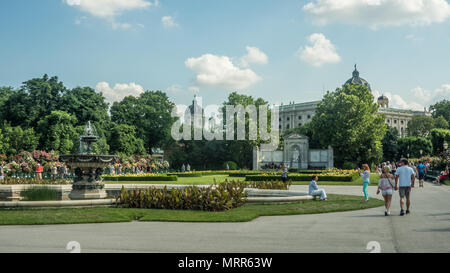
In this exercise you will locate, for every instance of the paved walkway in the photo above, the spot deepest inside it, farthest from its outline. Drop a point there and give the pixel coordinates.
(427, 229)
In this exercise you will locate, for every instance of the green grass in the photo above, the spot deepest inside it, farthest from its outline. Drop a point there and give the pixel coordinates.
(204, 180)
(245, 213)
(208, 180)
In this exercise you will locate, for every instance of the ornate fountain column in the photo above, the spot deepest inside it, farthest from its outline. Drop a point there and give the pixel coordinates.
(88, 167)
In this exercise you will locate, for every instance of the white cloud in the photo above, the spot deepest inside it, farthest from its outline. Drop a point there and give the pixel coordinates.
(418, 99)
(194, 89)
(109, 9)
(119, 91)
(321, 51)
(168, 22)
(219, 71)
(376, 13)
(175, 88)
(429, 97)
(254, 55)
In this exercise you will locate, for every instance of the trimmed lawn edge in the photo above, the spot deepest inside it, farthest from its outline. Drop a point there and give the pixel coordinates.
(246, 213)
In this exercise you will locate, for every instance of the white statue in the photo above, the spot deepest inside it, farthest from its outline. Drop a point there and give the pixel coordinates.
(295, 155)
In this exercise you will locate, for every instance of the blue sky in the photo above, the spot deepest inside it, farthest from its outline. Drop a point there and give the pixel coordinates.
(280, 50)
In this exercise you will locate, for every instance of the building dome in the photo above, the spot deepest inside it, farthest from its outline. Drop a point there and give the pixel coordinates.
(383, 101)
(357, 80)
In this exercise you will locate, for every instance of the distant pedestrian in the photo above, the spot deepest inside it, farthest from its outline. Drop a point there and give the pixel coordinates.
(315, 191)
(188, 167)
(284, 174)
(39, 170)
(421, 173)
(63, 171)
(404, 181)
(366, 180)
(2, 174)
(228, 167)
(386, 185)
(183, 168)
(54, 171)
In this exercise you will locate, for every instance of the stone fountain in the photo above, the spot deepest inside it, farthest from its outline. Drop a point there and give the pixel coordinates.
(88, 168)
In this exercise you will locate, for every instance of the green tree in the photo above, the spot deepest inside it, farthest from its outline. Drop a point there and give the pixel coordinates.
(438, 138)
(241, 151)
(36, 99)
(57, 132)
(123, 140)
(16, 140)
(150, 113)
(411, 146)
(441, 123)
(390, 144)
(441, 108)
(5, 93)
(306, 130)
(86, 105)
(348, 120)
(420, 126)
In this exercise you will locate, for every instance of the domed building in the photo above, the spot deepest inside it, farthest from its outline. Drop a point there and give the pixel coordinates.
(296, 152)
(294, 114)
(357, 80)
(383, 101)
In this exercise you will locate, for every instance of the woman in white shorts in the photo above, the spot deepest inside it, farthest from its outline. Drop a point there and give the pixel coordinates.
(386, 186)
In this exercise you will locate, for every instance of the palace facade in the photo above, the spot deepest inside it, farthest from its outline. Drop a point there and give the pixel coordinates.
(294, 115)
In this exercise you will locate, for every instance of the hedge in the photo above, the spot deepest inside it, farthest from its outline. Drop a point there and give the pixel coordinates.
(141, 178)
(185, 174)
(348, 178)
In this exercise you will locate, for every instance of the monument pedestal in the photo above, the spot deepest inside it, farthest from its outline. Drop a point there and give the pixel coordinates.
(88, 190)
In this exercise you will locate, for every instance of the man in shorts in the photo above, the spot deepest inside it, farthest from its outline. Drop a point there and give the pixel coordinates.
(404, 181)
(422, 171)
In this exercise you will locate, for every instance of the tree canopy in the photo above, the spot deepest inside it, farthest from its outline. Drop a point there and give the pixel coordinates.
(348, 120)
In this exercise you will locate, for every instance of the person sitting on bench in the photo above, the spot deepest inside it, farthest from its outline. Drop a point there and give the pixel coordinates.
(443, 176)
(315, 191)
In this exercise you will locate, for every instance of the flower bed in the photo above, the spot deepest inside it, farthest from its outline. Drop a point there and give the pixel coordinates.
(332, 175)
(220, 197)
(29, 181)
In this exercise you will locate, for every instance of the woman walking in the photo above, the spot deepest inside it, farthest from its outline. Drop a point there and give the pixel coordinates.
(284, 174)
(366, 180)
(386, 186)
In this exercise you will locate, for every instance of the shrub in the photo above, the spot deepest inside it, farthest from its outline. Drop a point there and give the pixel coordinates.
(349, 165)
(39, 194)
(186, 174)
(269, 185)
(219, 197)
(301, 177)
(231, 164)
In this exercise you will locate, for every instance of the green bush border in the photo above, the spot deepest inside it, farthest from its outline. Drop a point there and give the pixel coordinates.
(348, 178)
(185, 174)
(141, 178)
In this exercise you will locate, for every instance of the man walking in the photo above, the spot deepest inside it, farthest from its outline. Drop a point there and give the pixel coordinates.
(404, 180)
(422, 171)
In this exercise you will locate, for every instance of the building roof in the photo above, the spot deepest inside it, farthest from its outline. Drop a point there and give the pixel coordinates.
(302, 104)
(357, 80)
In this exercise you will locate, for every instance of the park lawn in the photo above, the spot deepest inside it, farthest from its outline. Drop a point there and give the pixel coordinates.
(204, 180)
(208, 180)
(245, 213)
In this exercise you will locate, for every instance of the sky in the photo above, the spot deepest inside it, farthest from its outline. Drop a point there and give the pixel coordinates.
(282, 51)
